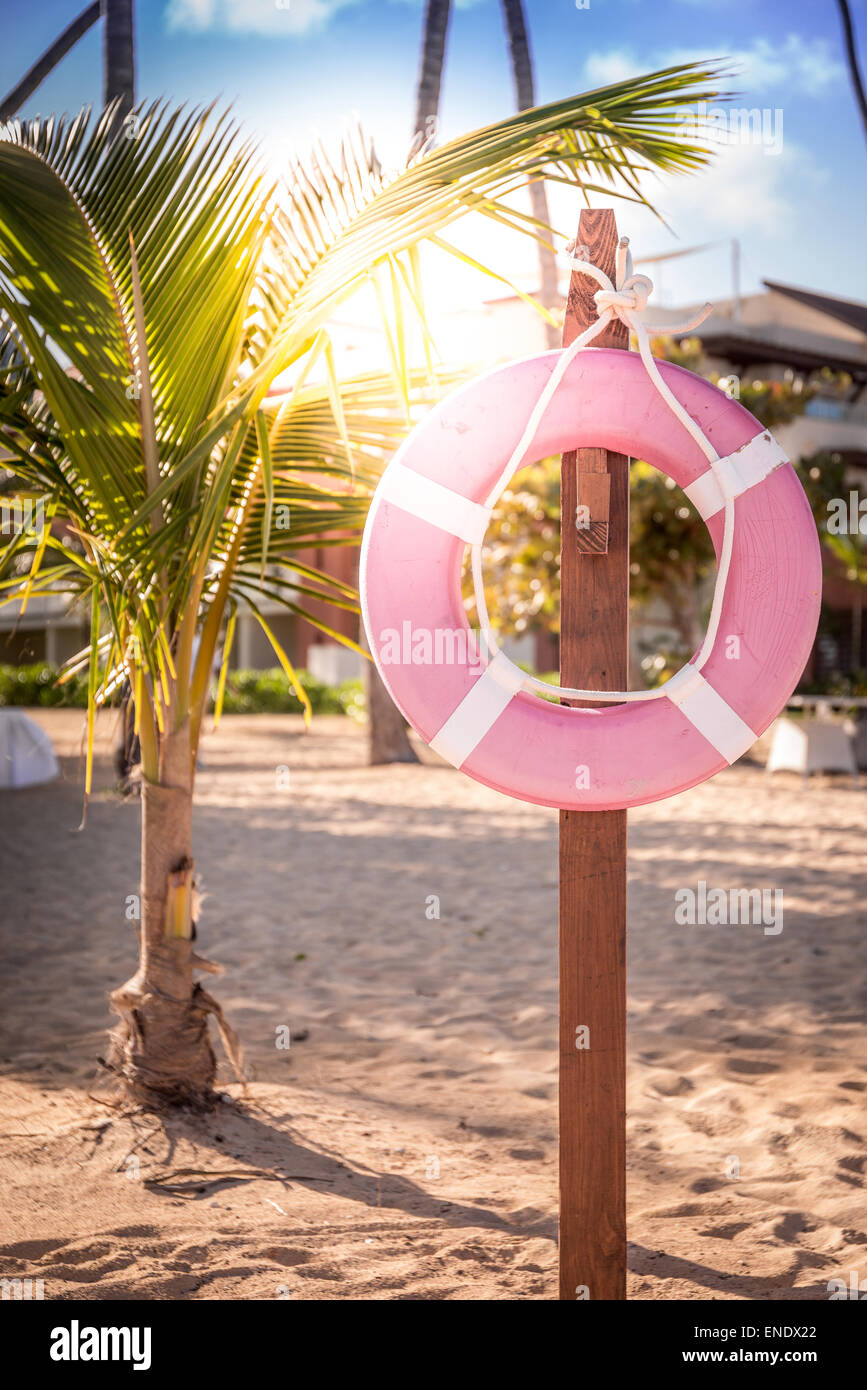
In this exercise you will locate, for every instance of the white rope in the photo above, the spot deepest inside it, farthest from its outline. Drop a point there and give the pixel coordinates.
(624, 300)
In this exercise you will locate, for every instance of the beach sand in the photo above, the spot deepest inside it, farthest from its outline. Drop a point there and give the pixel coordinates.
(404, 1146)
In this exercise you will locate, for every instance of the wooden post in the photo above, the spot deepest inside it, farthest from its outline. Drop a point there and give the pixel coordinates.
(594, 649)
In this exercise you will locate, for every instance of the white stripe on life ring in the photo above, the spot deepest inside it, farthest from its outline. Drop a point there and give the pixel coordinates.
(478, 711)
(706, 709)
(430, 501)
(735, 473)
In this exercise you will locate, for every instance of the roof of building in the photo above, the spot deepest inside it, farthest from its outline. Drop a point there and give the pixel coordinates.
(747, 345)
(849, 311)
(760, 339)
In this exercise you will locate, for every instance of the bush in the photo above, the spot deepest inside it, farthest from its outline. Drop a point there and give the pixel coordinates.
(853, 683)
(37, 685)
(269, 692)
(247, 692)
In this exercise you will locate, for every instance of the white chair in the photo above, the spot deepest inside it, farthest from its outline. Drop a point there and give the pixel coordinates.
(26, 755)
(812, 745)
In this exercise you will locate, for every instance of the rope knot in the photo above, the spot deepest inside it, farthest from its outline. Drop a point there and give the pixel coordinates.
(630, 299)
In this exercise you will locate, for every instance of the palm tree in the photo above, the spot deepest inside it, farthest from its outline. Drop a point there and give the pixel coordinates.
(119, 55)
(852, 59)
(387, 737)
(387, 734)
(525, 96)
(388, 741)
(433, 51)
(49, 60)
(151, 291)
(118, 59)
(436, 22)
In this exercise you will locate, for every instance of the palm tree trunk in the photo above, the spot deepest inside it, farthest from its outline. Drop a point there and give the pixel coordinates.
(50, 58)
(852, 59)
(681, 599)
(388, 740)
(433, 49)
(160, 1048)
(525, 95)
(119, 55)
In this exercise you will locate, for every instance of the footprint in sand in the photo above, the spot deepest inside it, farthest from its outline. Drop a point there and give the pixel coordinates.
(286, 1256)
(702, 1185)
(31, 1249)
(854, 1164)
(728, 1232)
(669, 1083)
(793, 1224)
(751, 1042)
(749, 1066)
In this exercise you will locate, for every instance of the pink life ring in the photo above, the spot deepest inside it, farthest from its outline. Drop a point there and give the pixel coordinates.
(429, 505)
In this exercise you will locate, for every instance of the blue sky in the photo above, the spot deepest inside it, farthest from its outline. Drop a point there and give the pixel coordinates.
(310, 66)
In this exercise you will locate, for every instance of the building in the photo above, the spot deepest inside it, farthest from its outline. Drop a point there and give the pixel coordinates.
(786, 333)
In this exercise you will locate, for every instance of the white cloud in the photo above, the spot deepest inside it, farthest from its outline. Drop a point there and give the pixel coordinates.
(601, 69)
(743, 190)
(265, 16)
(811, 68)
(253, 16)
(744, 194)
(808, 67)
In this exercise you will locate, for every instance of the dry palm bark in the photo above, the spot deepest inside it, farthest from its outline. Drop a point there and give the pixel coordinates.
(161, 1046)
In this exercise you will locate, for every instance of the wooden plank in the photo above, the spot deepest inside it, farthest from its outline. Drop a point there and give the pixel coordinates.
(591, 514)
(594, 644)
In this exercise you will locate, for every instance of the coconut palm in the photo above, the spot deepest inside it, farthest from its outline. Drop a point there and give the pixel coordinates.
(525, 97)
(434, 35)
(387, 740)
(118, 56)
(151, 290)
(854, 66)
(433, 51)
(387, 735)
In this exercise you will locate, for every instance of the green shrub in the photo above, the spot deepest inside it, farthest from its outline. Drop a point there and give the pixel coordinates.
(247, 692)
(269, 692)
(37, 685)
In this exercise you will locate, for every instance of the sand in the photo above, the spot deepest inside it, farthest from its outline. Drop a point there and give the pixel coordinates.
(404, 1146)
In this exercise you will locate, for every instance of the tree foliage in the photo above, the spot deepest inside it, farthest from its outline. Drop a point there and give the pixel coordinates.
(672, 558)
